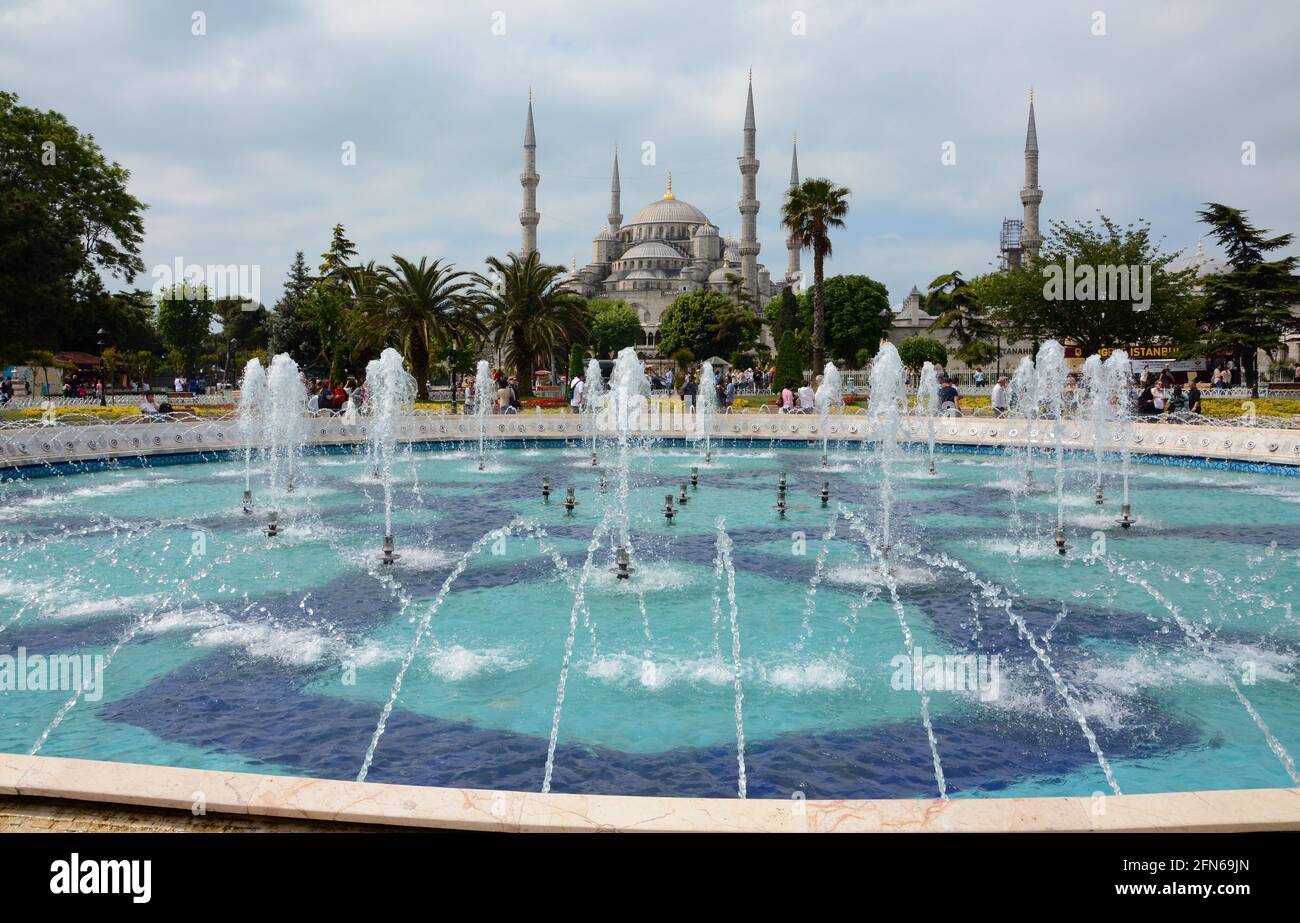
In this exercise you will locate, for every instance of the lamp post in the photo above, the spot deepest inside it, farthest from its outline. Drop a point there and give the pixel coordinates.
(451, 370)
(225, 373)
(103, 383)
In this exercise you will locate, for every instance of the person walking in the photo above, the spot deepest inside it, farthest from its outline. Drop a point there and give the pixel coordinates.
(579, 398)
(1001, 397)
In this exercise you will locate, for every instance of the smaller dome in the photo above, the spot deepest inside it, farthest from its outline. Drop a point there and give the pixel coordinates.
(652, 250)
(606, 234)
(706, 230)
(720, 275)
(641, 275)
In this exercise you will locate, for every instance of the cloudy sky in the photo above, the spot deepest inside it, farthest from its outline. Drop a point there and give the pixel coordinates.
(235, 137)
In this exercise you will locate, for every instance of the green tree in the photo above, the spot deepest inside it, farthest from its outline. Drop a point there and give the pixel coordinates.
(915, 352)
(290, 331)
(337, 259)
(532, 312)
(956, 310)
(706, 322)
(789, 363)
(810, 212)
(1249, 307)
(857, 315)
(576, 366)
(782, 313)
(421, 307)
(65, 218)
(614, 326)
(1025, 302)
(184, 314)
(329, 311)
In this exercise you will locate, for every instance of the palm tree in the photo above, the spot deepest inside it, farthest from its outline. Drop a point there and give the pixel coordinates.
(532, 312)
(961, 314)
(810, 211)
(416, 306)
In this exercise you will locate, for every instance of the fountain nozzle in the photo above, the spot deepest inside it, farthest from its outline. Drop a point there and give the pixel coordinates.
(593, 459)
(622, 568)
(708, 457)
(1061, 547)
(546, 490)
(824, 460)
(669, 512)
(273, 525)
(480, 462)
(682, 496)
(826, 492)
(932, 471)
(248, 503)
(695, 476)
(569, 501)
(387, 555)
(602, 483)
(1099, 498)
(1125, 518)
(374, 472)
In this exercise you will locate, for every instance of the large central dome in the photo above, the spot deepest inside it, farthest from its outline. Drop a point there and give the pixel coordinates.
(669, 210)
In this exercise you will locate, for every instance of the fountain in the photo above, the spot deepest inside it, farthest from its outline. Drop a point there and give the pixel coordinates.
(285, 425)
(596, 397)
(1050, 376)
(828, 399)
(485, 393)
(706, 408)
(927, 402)
(1025, 402)
(465, 672)
(391, 394)
(252, 421)
(884, 412)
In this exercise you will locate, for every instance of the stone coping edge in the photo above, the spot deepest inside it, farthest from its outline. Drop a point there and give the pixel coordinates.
(330, 800)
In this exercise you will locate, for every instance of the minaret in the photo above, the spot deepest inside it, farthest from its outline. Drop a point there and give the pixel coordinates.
(749, 246)
(792, 244)
(528, 216)
(1031, 195)
(615, 195)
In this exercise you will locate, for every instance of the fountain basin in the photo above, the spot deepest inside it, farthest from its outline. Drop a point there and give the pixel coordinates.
(485, 682)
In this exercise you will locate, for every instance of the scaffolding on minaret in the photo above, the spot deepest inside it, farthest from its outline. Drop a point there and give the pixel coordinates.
(1009, 247)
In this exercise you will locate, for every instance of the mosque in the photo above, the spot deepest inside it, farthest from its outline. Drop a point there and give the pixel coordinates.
(670, 246)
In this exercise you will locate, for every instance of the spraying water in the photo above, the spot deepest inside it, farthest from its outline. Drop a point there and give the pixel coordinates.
(628, 390)
(1050, 372)
(706, 406)
(829, 399)
(1116, 369)
(484, 394)
(595, 398)
(252, 419)
(286, 428)
(392, 395)
(1025, 402)
(884, 412)
(927, 401)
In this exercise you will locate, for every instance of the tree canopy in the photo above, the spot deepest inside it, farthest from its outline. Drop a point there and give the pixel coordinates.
(65, 217)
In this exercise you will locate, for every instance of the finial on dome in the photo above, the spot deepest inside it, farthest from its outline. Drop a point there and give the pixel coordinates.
(575, 263)
(669, 193)
(1031, 94)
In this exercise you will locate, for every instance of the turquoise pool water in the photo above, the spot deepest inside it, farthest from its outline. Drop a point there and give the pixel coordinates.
(231, 650)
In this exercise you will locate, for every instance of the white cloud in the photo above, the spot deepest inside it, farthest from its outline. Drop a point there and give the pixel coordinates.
(233, 137)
